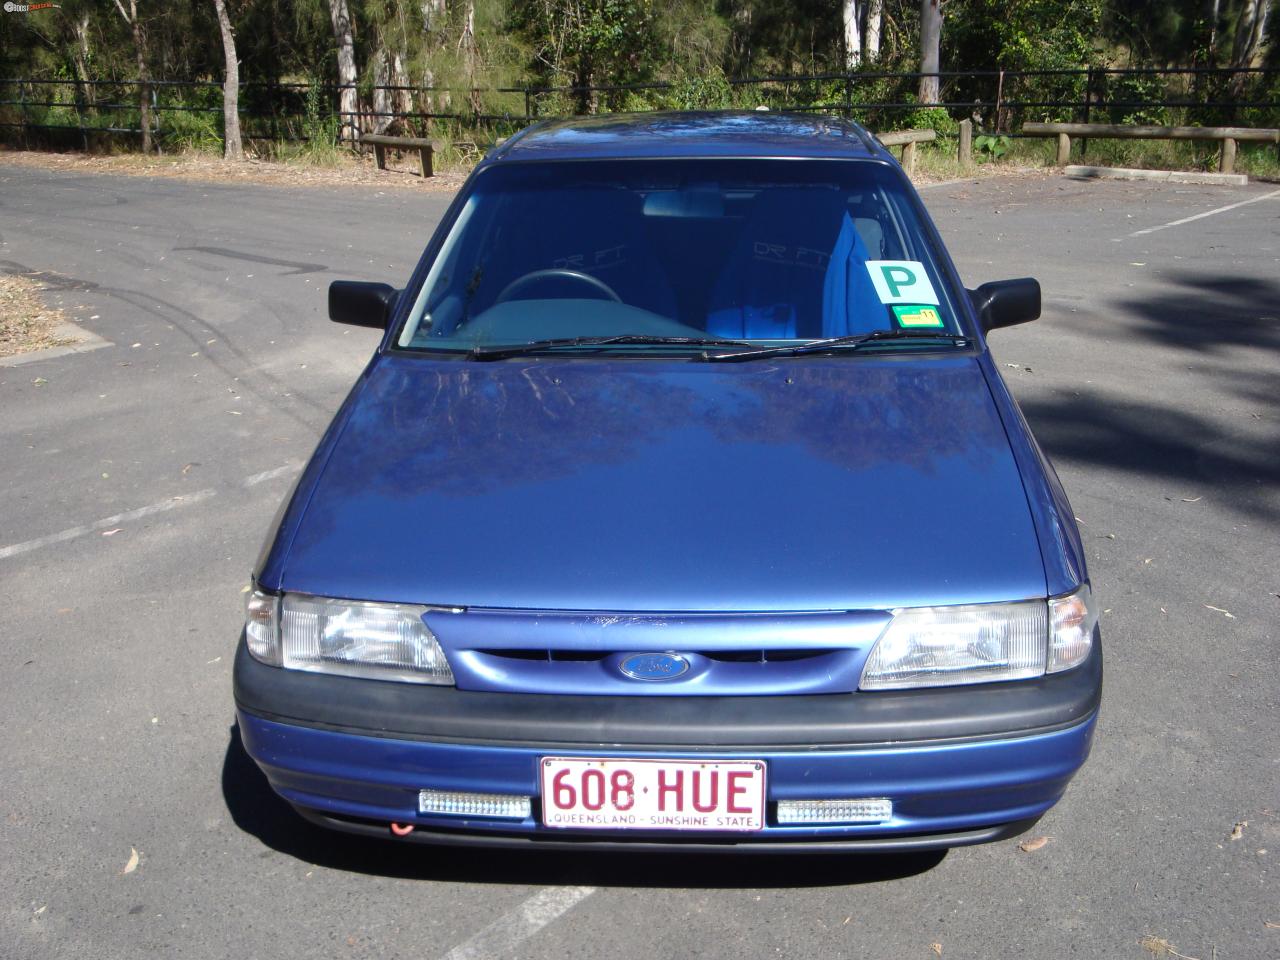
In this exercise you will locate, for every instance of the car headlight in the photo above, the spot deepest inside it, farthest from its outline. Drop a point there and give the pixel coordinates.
(980, 643)
(354, 638)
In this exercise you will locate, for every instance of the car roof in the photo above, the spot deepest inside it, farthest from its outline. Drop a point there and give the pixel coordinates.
(688, 135)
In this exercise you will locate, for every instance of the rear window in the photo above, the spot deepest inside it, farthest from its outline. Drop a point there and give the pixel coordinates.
(768, 251)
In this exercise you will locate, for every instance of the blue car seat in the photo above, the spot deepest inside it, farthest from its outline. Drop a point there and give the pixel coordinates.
(798, 270)
(772, 285)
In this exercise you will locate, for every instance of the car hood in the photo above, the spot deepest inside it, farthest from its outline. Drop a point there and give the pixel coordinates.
(650, 485)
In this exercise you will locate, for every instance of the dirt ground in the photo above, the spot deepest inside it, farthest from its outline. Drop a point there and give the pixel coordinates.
(348, 171)
(26, 323)
(361, 171)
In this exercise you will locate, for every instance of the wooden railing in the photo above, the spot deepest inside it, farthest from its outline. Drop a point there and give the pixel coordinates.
(907, 139)
(1229, 136)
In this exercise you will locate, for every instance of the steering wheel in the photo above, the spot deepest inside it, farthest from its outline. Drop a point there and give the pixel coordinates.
(536, 275)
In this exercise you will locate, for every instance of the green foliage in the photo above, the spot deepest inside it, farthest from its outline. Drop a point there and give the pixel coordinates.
(655, 54)
(198, 129)
(929, 118)
(1019, 35)
(319, 128)
(710, 91)
(793, 37)
(588, 43)
(990, 147)
(1131, 89)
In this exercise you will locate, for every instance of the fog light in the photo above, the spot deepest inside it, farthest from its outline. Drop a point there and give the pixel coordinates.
(504, 805)
(834, 811)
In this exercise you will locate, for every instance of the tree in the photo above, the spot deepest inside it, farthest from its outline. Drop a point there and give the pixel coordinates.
(1251, 27)
(348, 100)
(587, 43)
(930, 41)
(853, 15)
(233, 149)
(467, 47)
(871, 35)
(144, 87)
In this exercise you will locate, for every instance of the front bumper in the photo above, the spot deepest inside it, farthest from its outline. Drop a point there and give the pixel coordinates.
(961, 765)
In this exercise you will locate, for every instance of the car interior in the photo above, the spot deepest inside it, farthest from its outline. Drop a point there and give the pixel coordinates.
(757, 262)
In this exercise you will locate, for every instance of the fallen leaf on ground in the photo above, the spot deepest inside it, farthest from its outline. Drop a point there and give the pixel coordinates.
(1227, 613)
(936, 948)
(112, 533)
(39, 381)
(1034, 844)
(1271, 926)
(1238, 830)
(132, 865)
(1160, 947)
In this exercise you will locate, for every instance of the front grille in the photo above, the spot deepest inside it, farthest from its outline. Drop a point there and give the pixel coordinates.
(594, 656)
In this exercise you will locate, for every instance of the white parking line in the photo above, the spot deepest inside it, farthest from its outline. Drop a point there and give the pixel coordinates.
(1207, 213)
(270, 474)
(120, 519)
(520, 924)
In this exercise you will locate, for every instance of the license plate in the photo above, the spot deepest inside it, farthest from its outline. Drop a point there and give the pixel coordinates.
(628, 794)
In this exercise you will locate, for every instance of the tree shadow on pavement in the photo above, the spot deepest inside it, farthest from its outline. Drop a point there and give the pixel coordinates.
(1209, 313)
(257, 810)
(1175, 431)
(1185, 453)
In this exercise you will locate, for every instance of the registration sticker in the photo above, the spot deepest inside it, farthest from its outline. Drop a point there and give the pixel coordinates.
(916, 316)
(651, 794)
(901, 281)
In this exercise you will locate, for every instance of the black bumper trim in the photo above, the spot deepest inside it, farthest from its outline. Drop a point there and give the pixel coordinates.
(409, 711)
(904, 843)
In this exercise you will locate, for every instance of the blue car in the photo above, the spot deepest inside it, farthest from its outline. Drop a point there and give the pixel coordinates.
(681, 506)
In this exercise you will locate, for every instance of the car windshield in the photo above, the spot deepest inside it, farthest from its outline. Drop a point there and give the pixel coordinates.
(671, 254)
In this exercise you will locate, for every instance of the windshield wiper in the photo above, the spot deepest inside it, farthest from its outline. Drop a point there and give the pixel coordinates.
(835, 343)
(537, 346)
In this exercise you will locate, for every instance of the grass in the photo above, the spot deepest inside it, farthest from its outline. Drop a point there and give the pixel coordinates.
(938, 160)
(26, 324)
(458, 149)
(1258, 160)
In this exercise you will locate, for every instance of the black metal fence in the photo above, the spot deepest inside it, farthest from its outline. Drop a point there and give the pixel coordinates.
(189, 113)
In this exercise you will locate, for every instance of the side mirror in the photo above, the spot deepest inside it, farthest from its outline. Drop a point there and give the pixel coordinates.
(1004, 303)
(362, 304)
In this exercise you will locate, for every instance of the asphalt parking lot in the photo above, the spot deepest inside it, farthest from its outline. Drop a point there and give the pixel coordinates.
(138, 480)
